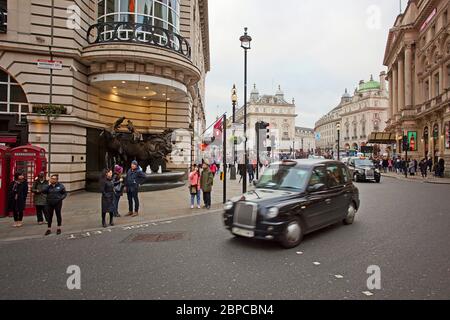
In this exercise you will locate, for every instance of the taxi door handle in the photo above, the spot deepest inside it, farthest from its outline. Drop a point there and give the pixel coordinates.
(327, 201)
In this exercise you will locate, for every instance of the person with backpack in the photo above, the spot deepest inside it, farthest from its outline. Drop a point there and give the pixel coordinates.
(40, 199)
(194, 185)
(206, 184)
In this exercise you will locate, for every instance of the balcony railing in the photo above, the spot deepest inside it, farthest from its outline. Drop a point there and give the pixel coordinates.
(3, 19)
(138, 33)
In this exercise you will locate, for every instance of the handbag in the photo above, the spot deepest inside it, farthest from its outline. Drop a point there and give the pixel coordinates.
(194, 190)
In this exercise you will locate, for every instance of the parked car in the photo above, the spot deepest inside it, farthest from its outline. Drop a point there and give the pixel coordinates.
(293, 198)
(363, 169)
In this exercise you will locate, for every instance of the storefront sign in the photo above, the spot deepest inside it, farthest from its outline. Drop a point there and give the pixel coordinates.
(50, 64)
(412, 140)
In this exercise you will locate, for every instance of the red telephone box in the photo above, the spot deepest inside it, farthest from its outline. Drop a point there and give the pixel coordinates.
(30, 160)
(4, 179)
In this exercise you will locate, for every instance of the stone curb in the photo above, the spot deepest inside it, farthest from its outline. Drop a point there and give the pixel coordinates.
(63, 234)
(401, 178)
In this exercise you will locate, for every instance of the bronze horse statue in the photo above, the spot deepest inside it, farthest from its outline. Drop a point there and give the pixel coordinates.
(123, 149)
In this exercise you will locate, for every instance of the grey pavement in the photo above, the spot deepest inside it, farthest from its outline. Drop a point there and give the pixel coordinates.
(400, 227)
(81, 210)
(430, 178)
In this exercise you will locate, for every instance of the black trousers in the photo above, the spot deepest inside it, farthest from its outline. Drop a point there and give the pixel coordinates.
(111, 215)
(18, 214)
(41, 213)
(133, 195)
(207, 199)
(54, 209)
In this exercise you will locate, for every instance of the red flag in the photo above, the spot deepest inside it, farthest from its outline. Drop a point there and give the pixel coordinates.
(218, 127)
(132, 6)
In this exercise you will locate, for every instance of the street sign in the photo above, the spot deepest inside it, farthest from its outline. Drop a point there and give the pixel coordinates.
(237, 126)
(50, 64)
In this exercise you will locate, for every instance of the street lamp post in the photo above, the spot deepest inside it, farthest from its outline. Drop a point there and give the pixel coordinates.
(245, 44)
(234, 100)
(338, 127)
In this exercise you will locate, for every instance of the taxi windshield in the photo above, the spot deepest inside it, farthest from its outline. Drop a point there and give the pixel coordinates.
(283, 177)
(363, 162)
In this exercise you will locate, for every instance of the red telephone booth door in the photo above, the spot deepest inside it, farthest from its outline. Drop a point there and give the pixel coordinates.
(4, 179)
(29, 160)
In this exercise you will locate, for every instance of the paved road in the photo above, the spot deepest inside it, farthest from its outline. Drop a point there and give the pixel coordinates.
(403, 227)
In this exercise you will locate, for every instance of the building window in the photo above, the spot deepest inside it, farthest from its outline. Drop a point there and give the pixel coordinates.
(161, 13)
(427, 90)
(12, 97)
(436, 84)
(3, 15)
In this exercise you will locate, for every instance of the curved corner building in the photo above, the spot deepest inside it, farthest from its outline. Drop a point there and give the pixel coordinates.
(100, 60)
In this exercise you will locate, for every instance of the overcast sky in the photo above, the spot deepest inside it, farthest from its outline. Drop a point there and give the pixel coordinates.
(313, 49)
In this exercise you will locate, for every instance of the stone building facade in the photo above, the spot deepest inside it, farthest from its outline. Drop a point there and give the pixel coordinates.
(305, 140)
(418, 60)
(358, 116)
(276, 111)
(145, 60)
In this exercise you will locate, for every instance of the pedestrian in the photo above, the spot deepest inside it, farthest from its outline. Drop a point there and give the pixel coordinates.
(412, 168)
(118, 188)
(206, 184)
(107, 190)
(56, 193)
(441, 163)
(423, 167)
(213, 169)
(250, 171)
(430, 164)
(40, 199)
(135, 177)
(390, 165)
(17, 196)
(241, 169)
(194, 185)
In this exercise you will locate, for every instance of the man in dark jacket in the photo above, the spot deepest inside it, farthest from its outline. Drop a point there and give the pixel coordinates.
(17, 196)
(135, 177)
(56, 193)
(40, 199)
(206, 184)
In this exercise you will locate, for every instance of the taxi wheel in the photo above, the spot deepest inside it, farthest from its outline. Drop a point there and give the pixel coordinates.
(292, 234)
(355, 177)
(351, 213)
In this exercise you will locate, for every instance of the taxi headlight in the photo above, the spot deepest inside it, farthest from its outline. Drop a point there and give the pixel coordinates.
(272, 212)
(377, 170)
(228, 206)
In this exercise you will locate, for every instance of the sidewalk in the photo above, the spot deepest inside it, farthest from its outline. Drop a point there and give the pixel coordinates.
(81, 211)
(418, 178)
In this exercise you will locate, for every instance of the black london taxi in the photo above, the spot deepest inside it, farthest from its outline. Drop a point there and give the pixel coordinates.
(363, 169)
(293, 198)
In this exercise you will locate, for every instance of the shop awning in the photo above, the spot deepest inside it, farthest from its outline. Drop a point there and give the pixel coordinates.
(382, 138)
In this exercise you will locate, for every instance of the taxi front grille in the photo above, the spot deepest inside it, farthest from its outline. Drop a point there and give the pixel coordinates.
(245, 214)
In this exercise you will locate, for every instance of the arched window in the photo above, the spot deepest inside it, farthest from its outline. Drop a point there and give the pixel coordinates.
(12, 97)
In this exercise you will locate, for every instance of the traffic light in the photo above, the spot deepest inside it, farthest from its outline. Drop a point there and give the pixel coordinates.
(405, 143)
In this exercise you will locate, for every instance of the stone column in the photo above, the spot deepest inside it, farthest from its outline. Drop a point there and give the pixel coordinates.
(394, 90)
(391, 95)
(401, 83)
(408, 76)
